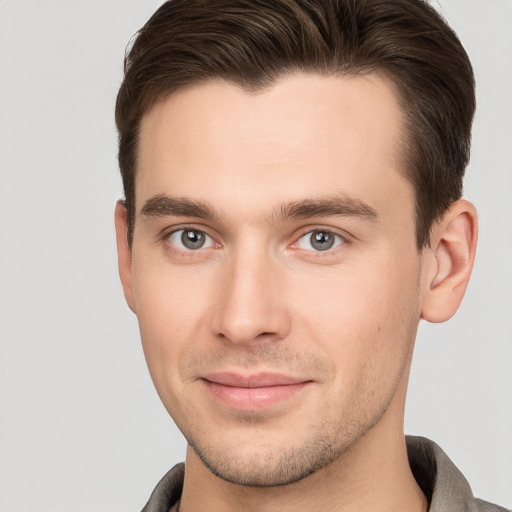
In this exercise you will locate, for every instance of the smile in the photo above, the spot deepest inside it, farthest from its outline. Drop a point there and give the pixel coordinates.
(253, 392)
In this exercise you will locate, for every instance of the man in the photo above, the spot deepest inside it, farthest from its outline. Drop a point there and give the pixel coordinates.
(293, 177)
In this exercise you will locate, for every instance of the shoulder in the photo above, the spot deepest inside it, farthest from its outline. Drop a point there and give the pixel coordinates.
(444, 485)
(485, 506)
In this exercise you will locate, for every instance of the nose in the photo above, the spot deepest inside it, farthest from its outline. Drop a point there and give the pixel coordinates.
(252, 306)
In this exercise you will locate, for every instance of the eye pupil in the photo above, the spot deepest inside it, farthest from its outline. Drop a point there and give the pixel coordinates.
(192, 239)
(322, 240)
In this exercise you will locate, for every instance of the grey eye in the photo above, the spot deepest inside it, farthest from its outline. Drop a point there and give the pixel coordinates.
(190, 239)
(319, 241)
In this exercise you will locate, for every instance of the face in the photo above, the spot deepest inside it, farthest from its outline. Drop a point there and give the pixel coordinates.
(274, 269)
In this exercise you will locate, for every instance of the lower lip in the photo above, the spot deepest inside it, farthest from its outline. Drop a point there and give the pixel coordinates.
(254, 398)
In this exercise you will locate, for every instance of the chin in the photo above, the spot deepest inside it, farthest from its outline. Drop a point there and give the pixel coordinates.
(270, 466)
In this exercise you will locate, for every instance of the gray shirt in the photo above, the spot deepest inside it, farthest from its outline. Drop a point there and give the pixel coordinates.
(443, 484)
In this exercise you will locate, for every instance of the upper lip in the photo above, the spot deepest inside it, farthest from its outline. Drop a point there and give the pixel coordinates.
(257, 380)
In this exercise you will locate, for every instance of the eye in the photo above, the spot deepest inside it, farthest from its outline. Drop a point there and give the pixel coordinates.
(190, 239)
(319, 241)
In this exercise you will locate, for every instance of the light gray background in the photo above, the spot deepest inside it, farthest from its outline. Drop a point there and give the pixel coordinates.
(81, 428)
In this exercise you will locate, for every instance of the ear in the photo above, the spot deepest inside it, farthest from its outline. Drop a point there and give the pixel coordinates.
(124, 256)
(449, 261)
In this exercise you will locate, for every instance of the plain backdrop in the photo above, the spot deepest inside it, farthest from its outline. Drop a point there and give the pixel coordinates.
(81, 427)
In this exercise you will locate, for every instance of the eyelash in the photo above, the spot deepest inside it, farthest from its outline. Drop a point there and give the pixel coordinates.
(338, 241)
(190, 229)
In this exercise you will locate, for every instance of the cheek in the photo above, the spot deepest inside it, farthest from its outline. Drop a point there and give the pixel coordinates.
(168, 298)
(363, 319)
(170, 310)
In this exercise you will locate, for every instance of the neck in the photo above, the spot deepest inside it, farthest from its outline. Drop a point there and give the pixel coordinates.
(373, 474)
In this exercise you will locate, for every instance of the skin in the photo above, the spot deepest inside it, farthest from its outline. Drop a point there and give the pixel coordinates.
(308, 155)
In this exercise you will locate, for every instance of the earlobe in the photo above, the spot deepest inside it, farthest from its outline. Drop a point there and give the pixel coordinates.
(124, 256)
(450, 262)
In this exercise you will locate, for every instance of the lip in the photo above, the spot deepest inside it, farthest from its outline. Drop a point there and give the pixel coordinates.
(253, 392)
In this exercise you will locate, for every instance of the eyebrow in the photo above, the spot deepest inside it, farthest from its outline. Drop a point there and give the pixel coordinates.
(338, 205)
(163, 205)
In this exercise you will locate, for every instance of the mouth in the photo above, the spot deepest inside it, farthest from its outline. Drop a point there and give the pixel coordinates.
(253, 392)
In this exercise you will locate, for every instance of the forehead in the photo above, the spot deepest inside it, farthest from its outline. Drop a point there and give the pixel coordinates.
(218, 142)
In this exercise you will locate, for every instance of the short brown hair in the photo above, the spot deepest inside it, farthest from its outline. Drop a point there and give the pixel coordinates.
(254, 42)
